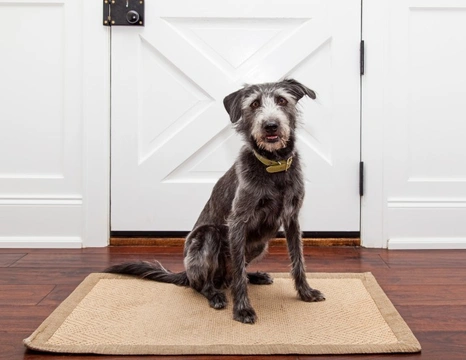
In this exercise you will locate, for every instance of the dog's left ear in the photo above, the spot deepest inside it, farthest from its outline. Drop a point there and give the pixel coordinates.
(232, 105)
(298, 90)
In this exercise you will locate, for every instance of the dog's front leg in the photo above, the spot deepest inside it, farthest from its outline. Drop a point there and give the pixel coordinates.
(295, 249)
(242, 309)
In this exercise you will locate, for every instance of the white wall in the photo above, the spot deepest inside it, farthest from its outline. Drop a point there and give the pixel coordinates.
(414, 124)
(53, 124)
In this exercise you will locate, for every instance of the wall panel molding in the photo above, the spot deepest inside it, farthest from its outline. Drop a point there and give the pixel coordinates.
(413, 243)
(426, 203)
(64, 242)
(41, 200)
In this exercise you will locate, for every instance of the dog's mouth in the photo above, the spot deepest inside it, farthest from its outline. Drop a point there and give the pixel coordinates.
(272, 138)
(272, 141)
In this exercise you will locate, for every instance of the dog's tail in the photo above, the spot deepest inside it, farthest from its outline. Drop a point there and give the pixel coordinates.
(151, 271)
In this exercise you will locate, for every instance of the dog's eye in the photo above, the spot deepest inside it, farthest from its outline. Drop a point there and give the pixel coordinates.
(255, 104)
(282, 101)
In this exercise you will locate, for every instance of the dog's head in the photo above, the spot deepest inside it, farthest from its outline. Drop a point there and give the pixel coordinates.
(267, 112)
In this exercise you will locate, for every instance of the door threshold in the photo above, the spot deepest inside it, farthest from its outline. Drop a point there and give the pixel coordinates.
(279, 241)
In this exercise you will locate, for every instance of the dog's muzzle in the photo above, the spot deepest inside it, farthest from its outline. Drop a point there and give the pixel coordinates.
(271, 134)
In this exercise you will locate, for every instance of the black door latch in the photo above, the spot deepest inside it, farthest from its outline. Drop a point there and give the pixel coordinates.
(123, 12)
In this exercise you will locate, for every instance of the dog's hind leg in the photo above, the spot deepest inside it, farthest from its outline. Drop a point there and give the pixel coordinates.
(255, 252)
(202, 255)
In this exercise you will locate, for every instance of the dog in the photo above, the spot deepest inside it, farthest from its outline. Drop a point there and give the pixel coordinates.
(263, 190)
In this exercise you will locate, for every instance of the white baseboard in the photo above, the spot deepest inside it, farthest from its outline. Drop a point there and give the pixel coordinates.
(412, 243)
(35, 242)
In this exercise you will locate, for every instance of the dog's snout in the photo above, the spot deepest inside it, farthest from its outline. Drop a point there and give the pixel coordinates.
(271, 127)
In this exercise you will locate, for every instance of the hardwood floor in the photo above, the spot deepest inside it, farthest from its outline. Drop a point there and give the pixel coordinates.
(427, 287)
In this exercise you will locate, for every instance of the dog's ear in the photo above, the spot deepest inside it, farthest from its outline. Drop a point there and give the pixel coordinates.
(232, 105)
(298, 90)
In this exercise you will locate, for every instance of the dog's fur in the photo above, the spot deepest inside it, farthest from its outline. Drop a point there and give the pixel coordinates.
(247, 206)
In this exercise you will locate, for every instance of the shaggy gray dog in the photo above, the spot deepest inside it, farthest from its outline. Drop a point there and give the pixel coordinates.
(263, 190)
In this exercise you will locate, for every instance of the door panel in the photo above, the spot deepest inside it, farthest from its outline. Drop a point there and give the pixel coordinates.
(425, 172)
(41, 122)
(171, 136)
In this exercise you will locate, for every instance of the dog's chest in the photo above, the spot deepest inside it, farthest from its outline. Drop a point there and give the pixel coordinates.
(271, 205)
(275, 205)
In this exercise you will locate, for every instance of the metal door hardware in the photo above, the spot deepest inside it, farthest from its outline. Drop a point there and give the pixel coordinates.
(123, 12)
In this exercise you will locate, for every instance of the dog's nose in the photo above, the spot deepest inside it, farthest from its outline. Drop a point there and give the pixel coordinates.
(271, 127)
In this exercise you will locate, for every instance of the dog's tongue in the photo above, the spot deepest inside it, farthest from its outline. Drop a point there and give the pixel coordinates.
(272, 137)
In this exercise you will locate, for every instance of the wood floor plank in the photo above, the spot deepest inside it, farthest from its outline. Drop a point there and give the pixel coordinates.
(74, 260)
(22, 318)
(11, 345)
(57, 295)
(425, 259)
(366, 357)
(422, 276)
(443, 339)
(9, 259)
(140, 250)
(444, 295)
(23, 294)
(44, 275)
(436, 318)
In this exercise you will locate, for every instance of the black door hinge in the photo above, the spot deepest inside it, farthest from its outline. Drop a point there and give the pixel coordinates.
(361, 58)
(361, 178)
(123, 12)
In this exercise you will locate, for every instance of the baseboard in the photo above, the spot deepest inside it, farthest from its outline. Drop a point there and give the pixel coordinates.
(426, 243)
(35, 242)
(142, 241)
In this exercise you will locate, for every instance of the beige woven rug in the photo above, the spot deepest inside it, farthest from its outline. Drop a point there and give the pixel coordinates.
(113, 314)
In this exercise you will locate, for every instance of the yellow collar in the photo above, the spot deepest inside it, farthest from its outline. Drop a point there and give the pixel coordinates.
(275, 166)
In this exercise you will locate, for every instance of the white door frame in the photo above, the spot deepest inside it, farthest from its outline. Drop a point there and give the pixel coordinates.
(96, 128)
(96, 113)
(374, 33)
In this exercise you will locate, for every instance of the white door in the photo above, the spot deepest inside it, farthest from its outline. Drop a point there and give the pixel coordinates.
(425, 153)
(172, 138)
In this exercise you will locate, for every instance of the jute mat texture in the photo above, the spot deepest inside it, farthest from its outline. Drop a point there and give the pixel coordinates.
(115, 314)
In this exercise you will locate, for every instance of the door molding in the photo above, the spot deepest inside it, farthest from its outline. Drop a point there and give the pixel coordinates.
(96, 128)
(96, 147)
(374, 34)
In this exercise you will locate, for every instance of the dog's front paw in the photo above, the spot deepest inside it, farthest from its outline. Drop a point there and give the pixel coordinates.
(260, 278)
(246, 316)
(311, 295)
(218, 301)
